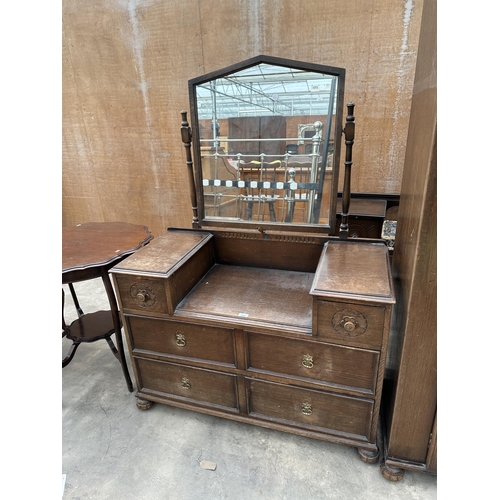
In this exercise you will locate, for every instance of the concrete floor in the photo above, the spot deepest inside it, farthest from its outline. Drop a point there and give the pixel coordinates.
(113, 450)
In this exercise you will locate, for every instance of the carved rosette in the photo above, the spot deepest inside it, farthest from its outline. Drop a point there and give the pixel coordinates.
(349, 322)
(142, 294)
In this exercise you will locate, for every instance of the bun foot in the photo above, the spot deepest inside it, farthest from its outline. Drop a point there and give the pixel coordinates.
(391, 473)
(143, 404)
(369, 456)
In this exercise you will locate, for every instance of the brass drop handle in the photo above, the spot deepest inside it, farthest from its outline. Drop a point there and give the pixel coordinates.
(185, 383)
(307, 361)
(142, 296)
(306, 408)
(180, 340)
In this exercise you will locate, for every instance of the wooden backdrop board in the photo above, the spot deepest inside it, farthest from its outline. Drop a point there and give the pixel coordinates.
(125, 70)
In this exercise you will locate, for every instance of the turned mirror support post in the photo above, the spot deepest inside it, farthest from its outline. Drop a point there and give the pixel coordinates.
(186, 139)
(346, 193)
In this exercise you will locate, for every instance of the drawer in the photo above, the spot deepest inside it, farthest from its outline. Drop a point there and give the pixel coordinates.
(332, 364)
(202, 386)
(143, 294)
(324, 411)
(350, 324)
(182, 339)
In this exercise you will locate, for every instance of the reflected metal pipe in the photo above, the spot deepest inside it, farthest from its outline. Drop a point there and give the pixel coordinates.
(314, 170)
(291, 197)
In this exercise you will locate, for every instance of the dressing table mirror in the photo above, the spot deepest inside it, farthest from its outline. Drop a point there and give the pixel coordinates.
(266, 143)
(258, 313)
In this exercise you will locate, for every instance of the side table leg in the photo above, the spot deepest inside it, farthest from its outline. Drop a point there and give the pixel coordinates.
(116, 322)
(71, 353)
(75, 300)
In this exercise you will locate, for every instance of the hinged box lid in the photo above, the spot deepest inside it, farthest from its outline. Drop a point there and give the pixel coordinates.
(354, 270)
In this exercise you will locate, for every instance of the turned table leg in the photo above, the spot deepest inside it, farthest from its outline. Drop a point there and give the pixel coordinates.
(117, 325)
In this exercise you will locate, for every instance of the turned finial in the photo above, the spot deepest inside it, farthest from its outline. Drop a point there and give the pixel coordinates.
(346, 193)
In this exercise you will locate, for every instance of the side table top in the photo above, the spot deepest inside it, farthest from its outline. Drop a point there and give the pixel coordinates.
(94, 244)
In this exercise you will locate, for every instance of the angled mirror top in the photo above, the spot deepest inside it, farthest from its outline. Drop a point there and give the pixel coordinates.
(266, 144)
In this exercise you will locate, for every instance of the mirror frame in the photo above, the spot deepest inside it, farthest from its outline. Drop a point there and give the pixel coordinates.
(337, 137)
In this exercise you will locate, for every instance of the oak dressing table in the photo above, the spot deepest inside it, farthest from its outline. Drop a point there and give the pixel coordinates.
(264, 317)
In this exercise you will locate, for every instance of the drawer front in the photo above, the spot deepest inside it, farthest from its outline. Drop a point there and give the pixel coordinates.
(350, 324)
(202, 386)
(311, 408)
(182, 339)
(344, 366)
(142, 294)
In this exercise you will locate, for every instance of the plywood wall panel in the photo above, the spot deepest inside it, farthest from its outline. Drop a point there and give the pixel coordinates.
(125, 69)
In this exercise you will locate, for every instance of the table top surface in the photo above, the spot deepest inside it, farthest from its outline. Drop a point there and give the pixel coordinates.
(96, 244)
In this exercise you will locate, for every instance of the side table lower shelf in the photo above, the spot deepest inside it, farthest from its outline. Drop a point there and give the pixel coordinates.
(89, 328)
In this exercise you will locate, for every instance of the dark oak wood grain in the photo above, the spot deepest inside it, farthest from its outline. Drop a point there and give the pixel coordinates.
(278, 324)
(348, 269)
(168, 253)
(365, 207)
(269, 249)
(329, 364)
(171, 268)
(411, 404)
(358, 326)
(183, 340)
(201, 386)
(96, 244)
(250, 331)
(247, 295)
(342, 414)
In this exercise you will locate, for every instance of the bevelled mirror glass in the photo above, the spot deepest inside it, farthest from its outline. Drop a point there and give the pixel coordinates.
(266, 144)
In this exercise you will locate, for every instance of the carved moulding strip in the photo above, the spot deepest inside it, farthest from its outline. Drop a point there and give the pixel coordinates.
(241, 236)
(295, 239)
(266, 235)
